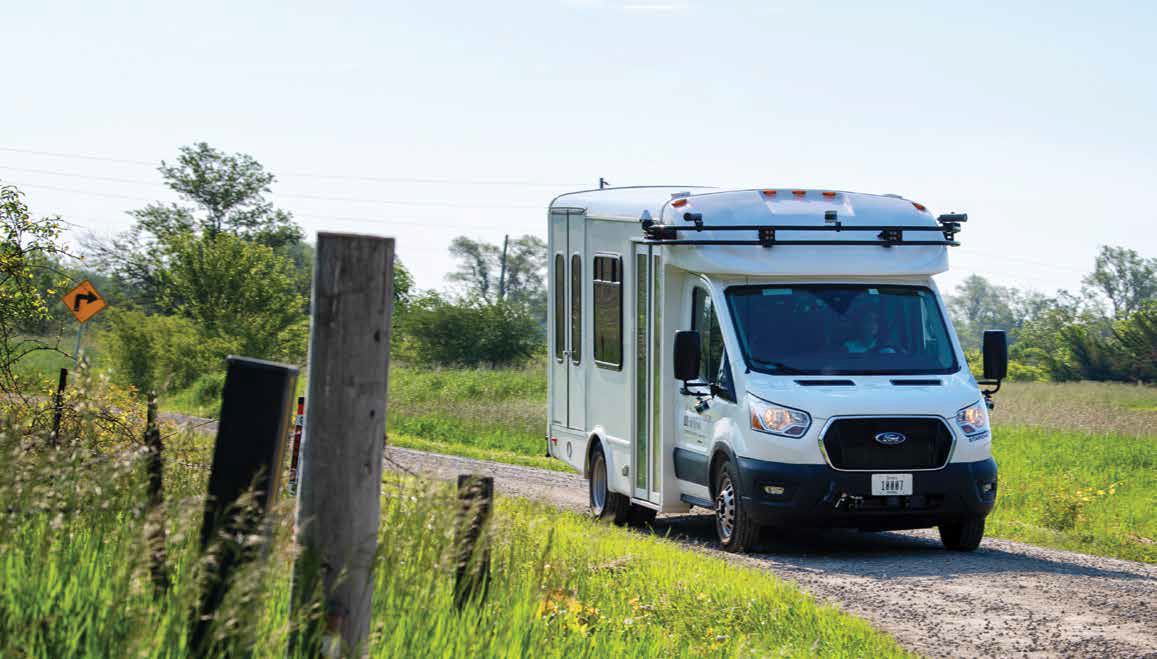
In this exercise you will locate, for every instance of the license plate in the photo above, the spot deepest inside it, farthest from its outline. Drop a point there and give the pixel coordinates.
(891, 485)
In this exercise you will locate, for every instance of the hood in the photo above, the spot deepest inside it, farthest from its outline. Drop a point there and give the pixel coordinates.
(868, 395)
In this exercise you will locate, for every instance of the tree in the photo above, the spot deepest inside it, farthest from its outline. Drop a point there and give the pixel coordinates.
(446, 333)
(977, 305)
(481, 271)
(232, 288)
(223, 194)
(29, 277)
(1124, 277)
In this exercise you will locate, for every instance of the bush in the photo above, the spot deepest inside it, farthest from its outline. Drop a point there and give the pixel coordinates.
(161, 353)
(436, 331)
(1018, 371)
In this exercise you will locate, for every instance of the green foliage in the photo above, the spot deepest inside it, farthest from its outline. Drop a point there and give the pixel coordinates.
(224, 195)
(161, 353)
(1124, 277)
(1018, 371)
(236, 290)
(481, 273)
(29, 280)
(437, 331)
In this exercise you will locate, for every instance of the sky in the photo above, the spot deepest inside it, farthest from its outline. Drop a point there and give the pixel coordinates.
(424, 121)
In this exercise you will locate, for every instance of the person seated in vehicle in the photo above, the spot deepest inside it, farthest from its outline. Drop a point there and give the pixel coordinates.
(867, 334)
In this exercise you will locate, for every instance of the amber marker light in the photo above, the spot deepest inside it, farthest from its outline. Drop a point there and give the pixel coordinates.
(769, 193)
(799, 193)
(679, 203)
(919, 207)
(829, 194)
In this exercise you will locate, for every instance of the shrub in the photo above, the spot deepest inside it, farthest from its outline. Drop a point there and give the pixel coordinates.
(161, 353)
(437, 331)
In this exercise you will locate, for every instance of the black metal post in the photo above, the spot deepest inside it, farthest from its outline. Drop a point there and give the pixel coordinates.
(58, 405)
(248, 457)
(472, 563)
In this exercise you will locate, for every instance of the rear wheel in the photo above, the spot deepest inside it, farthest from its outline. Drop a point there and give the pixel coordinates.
(606, 505)
(962, 535)
(735, 528)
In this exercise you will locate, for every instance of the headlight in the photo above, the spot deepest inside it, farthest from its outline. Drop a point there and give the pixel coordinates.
(973, 420)
(777, 420)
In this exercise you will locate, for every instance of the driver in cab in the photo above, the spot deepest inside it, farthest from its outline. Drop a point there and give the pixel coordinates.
(867, 334)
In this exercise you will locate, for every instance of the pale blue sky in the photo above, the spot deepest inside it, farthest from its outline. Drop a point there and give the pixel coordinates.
(1038, 120)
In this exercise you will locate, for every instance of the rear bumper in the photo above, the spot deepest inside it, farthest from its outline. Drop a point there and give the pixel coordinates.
(819, 496)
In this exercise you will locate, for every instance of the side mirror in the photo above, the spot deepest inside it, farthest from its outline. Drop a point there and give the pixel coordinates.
(995, 354)
(686, 355)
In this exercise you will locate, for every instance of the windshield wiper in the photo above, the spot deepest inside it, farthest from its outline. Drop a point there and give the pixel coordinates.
(781, 367)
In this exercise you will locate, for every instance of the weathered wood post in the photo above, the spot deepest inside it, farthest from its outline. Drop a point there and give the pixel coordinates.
(247, 458)
(155, 523)
(472, 554)
(338, 501)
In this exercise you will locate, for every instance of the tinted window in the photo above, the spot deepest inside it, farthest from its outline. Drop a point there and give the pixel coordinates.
(608, 311)
(559, 306)
(841, 329)
(576, 308)
(713, 364)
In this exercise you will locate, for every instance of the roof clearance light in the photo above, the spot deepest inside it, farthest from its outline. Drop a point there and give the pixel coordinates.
(769, 193)
(679, 203)
(919, 207)
(799, 193)
(829, 194)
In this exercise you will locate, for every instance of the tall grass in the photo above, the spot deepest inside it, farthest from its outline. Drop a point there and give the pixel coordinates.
(74, 579)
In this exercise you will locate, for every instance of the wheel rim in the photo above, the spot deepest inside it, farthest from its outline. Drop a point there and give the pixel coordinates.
(599, 486)
(725, 509)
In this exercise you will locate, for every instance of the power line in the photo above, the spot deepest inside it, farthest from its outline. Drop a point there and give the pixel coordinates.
(384, 202)
(342, 177)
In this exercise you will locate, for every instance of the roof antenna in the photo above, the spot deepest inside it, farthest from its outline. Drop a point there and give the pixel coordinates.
(603, 183)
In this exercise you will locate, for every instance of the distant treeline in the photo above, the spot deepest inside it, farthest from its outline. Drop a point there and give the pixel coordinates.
(226, 272)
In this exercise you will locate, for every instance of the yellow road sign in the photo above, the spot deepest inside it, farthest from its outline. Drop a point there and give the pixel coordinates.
(83, 301)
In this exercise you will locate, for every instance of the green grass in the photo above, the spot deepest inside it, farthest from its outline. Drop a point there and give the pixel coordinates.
(1057, 445)
(73, 579)
(1090, 493)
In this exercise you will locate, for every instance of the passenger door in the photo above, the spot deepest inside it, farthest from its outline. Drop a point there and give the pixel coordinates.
(567, 242)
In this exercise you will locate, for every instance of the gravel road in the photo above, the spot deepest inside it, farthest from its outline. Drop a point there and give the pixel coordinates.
(1006, 599)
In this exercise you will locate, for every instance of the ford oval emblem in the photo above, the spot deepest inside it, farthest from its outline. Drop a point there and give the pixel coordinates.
(890, 438)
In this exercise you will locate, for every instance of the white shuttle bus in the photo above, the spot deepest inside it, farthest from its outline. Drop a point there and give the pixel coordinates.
(781, 357)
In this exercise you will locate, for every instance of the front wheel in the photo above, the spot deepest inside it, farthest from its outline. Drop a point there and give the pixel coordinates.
(606, 505)
(737, 531)
(963, 535)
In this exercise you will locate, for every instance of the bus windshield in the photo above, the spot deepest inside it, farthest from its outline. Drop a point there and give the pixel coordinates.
(841, 329)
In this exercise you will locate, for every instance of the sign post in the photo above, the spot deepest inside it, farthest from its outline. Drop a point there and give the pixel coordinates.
(83, 303)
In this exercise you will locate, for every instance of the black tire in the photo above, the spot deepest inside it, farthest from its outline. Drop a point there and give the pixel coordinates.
(641, 515)
(962, 535)
(614, 507)
(736, 530)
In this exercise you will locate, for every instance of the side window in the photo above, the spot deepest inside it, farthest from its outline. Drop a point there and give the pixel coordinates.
(714, 367)
(608, 311)
(576, 308)
(559, 306)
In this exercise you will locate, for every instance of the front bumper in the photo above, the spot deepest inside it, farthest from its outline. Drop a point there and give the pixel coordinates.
(819, 496)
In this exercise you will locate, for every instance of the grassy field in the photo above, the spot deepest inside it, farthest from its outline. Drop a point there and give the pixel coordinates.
(73, 581)
(1078, 460)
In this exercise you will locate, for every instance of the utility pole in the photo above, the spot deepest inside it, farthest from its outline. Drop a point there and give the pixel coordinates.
(603, 183)
(502, 271)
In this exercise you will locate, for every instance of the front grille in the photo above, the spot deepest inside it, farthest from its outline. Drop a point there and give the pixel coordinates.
(851, 444)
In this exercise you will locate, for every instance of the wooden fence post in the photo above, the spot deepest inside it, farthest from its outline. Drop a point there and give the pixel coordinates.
(471, 562)
(339, 488)
(247, 457)
(155, 524)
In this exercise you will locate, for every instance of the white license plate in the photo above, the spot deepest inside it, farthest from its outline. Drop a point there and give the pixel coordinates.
(891, 485)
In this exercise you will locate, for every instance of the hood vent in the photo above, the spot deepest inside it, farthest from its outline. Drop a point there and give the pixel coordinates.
(916, 383)
(825, 383)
